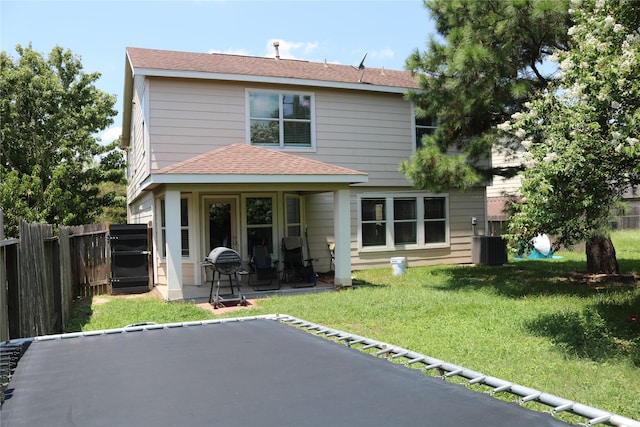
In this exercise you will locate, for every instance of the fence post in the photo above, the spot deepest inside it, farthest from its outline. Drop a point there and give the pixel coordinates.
(37, 298)
(66, 281)
(4, 303)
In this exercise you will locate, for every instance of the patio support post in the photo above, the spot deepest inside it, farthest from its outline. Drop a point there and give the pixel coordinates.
(173, 242)
(342, 236)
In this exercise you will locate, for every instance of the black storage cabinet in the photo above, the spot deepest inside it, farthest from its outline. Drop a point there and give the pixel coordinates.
(129, 258)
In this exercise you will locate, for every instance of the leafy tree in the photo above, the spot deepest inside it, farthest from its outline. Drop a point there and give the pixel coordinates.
(485, 64)
(117, 212)
(583, 134)
(51, 164)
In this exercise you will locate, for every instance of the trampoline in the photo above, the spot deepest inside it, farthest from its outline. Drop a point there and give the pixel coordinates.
(251, 371)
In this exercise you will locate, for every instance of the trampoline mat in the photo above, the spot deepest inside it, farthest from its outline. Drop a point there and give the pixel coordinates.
(243, 373)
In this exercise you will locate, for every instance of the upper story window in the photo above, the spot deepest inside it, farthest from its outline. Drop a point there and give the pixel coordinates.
(281, 119)
(424, 126)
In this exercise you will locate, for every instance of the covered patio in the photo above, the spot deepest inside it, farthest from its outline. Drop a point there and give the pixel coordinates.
(242, 177)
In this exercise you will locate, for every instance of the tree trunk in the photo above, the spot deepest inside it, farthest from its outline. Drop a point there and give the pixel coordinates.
(601, 256)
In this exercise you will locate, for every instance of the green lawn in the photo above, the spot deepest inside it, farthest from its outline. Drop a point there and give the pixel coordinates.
(525, 322)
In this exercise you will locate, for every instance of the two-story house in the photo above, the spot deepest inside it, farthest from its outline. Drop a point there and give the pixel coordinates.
(227, 150)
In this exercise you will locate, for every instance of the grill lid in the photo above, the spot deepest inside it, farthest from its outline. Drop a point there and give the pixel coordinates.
(225, 260)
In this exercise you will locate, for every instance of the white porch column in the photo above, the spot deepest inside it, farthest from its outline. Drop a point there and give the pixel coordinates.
(342, 236)
(173, 242)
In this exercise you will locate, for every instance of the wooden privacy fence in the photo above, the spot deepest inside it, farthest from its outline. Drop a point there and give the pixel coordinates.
(41, 274)
(8, 272)
(90, 262)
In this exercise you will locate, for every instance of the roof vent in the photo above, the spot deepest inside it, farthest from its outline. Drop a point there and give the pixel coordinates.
(277, 46)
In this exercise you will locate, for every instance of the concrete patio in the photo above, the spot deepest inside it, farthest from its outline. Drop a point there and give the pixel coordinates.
(200, 294)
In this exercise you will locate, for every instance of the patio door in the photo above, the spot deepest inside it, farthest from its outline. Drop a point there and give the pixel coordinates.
(221, 223)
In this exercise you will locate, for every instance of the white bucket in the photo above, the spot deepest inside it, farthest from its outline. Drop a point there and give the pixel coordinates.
(398, 265)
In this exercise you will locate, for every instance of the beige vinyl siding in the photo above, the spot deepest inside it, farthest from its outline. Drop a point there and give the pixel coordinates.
(138, 152)
(188, 277)
(462, 207)
(191, 117)
(366, 132)
(319, 211)
(141, 210)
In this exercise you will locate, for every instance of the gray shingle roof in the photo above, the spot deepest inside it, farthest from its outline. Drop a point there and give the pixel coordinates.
(245, 159)
(224, 64)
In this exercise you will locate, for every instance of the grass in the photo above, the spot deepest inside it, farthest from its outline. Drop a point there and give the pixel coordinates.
(116, 312)
(526, 322)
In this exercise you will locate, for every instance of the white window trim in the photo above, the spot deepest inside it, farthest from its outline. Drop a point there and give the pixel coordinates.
(274, 218)
(146, 140)
(189, 228)
(286, 218)
(283, 147)
(414, 142)
(390, 246)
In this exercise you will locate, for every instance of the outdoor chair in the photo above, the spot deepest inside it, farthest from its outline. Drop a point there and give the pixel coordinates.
(332, 254)
(297, 271)
(264, 269)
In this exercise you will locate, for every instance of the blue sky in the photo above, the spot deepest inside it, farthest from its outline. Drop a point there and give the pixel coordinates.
(337, 31)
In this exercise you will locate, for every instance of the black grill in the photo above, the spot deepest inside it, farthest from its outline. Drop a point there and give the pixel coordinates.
(224, 260)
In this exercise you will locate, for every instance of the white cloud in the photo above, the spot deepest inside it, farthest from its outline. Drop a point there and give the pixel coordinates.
(231, 51)
(290, 50)
(385, 53)
(110, 135)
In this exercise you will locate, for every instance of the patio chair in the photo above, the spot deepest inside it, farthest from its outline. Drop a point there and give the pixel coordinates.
(297, 271)
(264, 269)
(332, 254)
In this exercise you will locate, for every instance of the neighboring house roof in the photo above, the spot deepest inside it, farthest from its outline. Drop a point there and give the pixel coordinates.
(497, 207)
(244, 163)
(247, 66)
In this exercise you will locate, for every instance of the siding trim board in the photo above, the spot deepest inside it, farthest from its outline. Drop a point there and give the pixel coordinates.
(152, 72)
(158, 179)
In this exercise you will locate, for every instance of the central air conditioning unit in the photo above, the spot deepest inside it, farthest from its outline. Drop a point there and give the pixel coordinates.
(488, 250)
